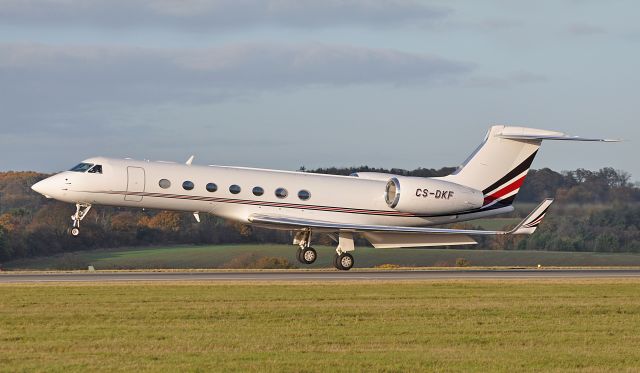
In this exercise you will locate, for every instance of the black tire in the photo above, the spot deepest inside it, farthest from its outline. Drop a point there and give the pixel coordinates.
(74, 231)
(308, 255)
(299, 256)
(344, 261)
(336, 262)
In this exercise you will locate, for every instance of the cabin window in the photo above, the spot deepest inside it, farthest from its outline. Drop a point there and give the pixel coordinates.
(211, 187)
(81, 167)
(164, 183)
(187, 185)
(97, 169)
(258, 191)
(234, 189)
(281, 193)
(304, 195)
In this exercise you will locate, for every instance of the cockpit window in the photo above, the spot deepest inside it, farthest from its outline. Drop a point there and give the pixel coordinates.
(82, 167)
(97, 169)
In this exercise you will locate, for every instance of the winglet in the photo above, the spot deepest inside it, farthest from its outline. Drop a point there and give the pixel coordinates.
(531, 222)
(190, 160)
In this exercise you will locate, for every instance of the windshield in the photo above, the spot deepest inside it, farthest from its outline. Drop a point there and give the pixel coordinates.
(81, 167)
(97, 169)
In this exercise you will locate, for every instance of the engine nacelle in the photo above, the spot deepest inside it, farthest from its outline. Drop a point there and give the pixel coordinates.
(421, 195)
(373, 175)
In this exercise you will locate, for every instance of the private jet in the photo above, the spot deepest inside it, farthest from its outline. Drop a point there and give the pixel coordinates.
(390, 211)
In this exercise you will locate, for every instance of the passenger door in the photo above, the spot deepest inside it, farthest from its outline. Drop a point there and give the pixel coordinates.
(135, 184)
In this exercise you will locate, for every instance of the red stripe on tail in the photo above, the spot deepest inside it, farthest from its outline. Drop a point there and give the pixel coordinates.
(504, 191)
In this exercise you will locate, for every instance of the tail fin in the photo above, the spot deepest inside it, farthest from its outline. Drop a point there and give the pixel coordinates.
(500, 164)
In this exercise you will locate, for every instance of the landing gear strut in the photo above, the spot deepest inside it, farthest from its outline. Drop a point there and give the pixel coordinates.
(81, 211)
(306, 253)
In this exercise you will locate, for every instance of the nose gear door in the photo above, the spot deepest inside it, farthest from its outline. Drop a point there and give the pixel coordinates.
(135, 184)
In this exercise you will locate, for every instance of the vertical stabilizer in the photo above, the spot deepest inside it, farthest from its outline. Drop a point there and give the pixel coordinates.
(500, 164)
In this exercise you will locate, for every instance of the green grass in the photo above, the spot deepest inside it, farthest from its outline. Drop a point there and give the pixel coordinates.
(217, 256)
(567, 325)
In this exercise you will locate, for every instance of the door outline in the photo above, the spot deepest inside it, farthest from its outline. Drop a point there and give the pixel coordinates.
(135, 184)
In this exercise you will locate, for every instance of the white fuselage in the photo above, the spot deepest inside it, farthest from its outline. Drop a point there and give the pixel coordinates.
(341, 199)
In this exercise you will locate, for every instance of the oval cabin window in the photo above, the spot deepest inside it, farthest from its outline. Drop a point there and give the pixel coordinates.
(234, 189)
(258, 191)
(211, 187)
(304, 195)
(281, 193)
(164, 184)
(187, 185)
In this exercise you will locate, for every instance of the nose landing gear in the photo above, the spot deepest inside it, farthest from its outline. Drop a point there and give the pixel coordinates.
(81, 211)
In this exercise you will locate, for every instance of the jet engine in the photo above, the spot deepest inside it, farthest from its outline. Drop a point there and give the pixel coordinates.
(419, 195)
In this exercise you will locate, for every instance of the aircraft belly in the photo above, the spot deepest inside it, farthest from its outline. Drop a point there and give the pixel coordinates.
(337, 217)
(166, 204)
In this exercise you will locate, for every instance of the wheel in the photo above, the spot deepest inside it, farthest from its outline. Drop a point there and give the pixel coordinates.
(75, 231)
(299, 256)
(308, 255)
(344, 261)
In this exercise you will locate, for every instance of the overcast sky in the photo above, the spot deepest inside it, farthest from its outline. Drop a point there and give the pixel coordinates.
(287, 83)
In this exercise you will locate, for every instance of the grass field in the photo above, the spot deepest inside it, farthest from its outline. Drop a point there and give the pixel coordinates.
(220, 255)
(568, 325)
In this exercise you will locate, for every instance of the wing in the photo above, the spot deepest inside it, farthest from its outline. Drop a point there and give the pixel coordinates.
(527, 226)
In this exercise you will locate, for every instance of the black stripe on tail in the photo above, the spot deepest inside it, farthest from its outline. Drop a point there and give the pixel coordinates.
(525, 165)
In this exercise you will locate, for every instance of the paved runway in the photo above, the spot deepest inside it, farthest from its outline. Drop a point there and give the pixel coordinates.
(361, 275)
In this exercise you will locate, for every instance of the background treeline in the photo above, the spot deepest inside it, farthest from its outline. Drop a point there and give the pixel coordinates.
(594, 211)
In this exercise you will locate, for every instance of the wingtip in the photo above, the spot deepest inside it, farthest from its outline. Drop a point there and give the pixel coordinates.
(531, 222)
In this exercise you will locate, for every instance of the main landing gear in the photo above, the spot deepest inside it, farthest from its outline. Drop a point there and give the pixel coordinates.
(306, 254)
(343, 260)
(81, 211)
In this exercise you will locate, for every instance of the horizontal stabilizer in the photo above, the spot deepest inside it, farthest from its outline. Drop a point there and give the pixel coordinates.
(521, 133)
(565, 137)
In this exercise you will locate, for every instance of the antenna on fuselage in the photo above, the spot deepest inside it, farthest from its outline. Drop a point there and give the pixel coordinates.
(190, 160)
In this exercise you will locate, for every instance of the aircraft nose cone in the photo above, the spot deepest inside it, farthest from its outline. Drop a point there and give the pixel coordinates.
(43, 187)
(37, 187)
